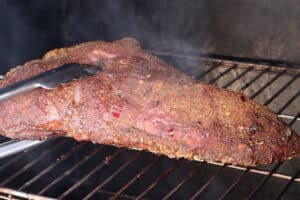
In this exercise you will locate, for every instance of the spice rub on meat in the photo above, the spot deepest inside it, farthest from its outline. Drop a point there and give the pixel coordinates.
(138, 101)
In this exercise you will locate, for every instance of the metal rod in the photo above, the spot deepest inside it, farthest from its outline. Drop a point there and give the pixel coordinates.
(96, 169)
(254, 79)
(122, 196)
(13, 160)
(200, 190)
(136, 177)
(295, 96)
(7, 143)
(50, 167)
(133, 158)
(284, 116)
(21, 155)
(286, 187)
(269, 100)
(257, 171)
(244, 63)
(32, 162)
(23, 195)
(238, 77)
(159, 179)
(263, 181)
(68, 172)
(17, 146)
(183, 181)
(206, 72)
(266, 85)
(4, 139)
(281, 90)
(222, 74)
(234, 184)
(294, 120)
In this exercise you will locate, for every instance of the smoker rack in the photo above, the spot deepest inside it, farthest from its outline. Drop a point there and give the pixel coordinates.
(65, 169)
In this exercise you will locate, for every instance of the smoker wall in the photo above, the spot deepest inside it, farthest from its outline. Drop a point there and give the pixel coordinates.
(264, 29)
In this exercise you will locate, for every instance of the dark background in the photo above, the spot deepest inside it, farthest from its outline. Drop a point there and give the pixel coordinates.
(261, 29)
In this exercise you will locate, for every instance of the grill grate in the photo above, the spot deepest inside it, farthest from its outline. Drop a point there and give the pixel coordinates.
(65, 169)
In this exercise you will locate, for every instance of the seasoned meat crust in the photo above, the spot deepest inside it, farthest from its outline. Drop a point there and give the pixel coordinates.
(140, 102)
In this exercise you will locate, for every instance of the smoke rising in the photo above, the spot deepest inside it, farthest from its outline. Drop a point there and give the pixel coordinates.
(160, 25)
(167, 26)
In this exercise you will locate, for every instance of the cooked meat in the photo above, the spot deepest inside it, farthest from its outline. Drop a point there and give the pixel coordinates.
(140, 102)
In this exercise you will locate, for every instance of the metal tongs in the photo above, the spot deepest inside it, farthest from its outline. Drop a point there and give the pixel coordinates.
(47, 80)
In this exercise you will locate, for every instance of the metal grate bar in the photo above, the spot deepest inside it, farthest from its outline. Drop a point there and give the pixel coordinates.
(267, 84)
(222, 74)
(3, 139)
(50, 167)
(16, 147)
(257, 171)
(281, 90)
(18, 157)
(13, 160)
(161, 177)
(96, 169)
(255, 79)
(200, 190)
(238, 77)
(207, 71)
(264, 180)
(294, 120)
(295, 96)
(12, 194)
(138, 175)
(7, 143)
(112, 176)
(33, 162)
(234, 184)
(225, 61)
(286, 187)
(68, 172)
(184, 180)
(122, 196)
(274, 96)
(284, 116)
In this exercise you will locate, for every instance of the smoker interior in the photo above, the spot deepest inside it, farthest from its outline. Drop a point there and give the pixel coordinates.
(65, 169)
